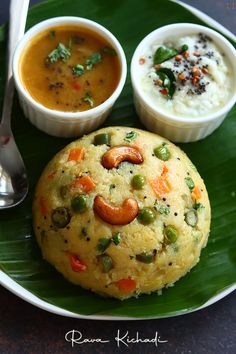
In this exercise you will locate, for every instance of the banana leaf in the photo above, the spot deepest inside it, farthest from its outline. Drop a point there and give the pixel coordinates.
(215, 158)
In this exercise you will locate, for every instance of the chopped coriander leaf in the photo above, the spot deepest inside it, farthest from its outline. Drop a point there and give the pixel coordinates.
(78, 70)
(116, 238)
(130, 136)
(103, 243)
(61, 52)
(109, 50)
(190, 183)
(95, 58)
(88, 99)
(52, 34)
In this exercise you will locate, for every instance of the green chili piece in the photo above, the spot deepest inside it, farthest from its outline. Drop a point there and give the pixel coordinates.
(103, 243)
(60, 217)
(191, 218)
(190, 183)
(146, 216)
(103, 138)
(146, 257)
(130, 136)
(171, 234)
(162, 153)
(80, 204)
(106, 262)
(116, 238)
(138, 181)
(197, 206)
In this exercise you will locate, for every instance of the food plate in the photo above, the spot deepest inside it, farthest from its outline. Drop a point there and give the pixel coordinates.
(29, 277)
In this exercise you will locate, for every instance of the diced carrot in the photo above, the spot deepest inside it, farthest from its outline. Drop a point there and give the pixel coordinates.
(76, 154)
(77, 264)
(126, 285)
(86, 183)
(196, 193)
(160, 186)
(164, 171)
(42, 206)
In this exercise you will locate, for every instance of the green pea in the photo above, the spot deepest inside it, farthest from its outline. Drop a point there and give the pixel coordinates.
(60, 217)
(103, 138)
(162, 153)
(191, 218)
(138, 181)
(171, 234)
(106, 262)
(146, 257)
(146, 216)
(80, 204)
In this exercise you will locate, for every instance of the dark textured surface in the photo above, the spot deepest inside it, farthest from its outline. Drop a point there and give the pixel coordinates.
(27, 329)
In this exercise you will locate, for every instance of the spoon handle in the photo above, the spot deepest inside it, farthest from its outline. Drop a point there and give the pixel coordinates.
(18, 14)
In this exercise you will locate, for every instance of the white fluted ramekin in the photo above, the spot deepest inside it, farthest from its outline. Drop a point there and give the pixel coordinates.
(67, 124)
(156, 119)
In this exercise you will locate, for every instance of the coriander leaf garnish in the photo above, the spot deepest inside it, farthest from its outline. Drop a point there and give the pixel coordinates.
(61, 52)
(109, 50)
(88, 99)
(164, 53)
(95, 58)
(78, 70)
(130, 136)
(52, 34)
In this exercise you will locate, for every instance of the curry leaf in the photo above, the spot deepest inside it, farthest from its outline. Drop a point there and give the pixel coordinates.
(164, 53)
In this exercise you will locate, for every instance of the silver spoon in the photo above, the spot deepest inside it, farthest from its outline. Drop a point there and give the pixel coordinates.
(13, 178)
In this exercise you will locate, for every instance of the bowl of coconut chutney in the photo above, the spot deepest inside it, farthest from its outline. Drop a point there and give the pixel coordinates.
(183, 78)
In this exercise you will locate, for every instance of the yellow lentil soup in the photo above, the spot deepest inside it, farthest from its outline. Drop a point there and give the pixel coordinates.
(69, 69)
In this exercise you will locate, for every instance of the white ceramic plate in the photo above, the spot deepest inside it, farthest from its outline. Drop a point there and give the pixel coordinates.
(24, 294)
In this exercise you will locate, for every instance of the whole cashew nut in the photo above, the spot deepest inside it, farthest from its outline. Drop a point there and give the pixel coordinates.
(115, 155)
(116, 215)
